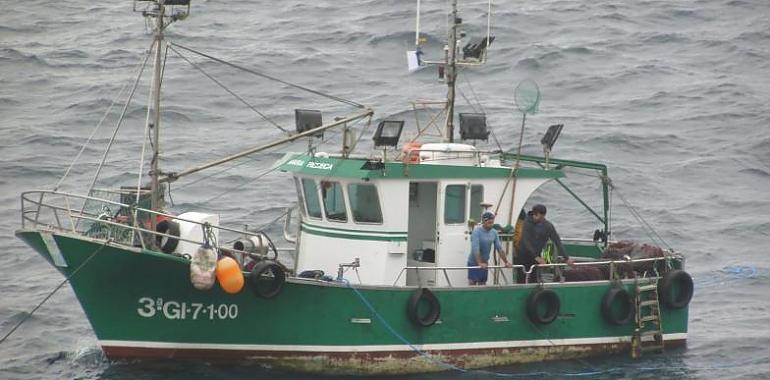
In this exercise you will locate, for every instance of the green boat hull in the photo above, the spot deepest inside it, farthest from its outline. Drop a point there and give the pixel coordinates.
(141, 304)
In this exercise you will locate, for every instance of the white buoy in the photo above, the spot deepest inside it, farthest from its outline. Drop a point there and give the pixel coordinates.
(203, 268)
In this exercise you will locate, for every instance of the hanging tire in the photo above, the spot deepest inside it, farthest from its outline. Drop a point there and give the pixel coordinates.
(267, 278)
(613, 297)
(543, 306)
(429, 317)
(167, 244)
(676, 289)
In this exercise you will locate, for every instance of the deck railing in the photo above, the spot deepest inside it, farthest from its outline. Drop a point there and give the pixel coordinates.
(122, 223)
(613, 266)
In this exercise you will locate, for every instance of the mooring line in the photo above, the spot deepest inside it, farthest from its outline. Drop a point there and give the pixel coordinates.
(592, 372)
(83, 264)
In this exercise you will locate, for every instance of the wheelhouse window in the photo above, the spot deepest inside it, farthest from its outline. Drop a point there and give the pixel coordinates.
(301, 198)
(454, 204)
(364, 203)
(311, 198)
(334, 201)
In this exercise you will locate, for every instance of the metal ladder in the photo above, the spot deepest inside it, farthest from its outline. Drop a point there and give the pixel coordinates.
(648, 334)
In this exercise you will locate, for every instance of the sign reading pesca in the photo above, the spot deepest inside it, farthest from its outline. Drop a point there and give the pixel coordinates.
(319, 165)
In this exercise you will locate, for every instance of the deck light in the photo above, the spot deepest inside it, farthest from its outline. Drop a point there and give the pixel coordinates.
(549, 139)
(307, 120)
(388, 132)
(473, 126)
(550, 136)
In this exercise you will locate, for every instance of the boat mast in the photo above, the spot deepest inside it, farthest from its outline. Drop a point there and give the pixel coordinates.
(451, 71)
(155, 201)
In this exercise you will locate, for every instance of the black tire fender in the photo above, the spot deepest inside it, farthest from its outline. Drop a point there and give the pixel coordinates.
(547, 297)
(267, 278)
(167, 244)
(676, 289)
(413, 307)
(614, 295)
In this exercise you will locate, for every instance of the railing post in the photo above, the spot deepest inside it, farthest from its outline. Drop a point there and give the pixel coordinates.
(446, 276)
(39, 207)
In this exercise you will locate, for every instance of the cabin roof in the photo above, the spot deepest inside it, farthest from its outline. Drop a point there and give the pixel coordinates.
(354, 168)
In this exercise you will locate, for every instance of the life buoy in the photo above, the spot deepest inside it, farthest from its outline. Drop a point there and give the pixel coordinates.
(426, 318)
(167, 244)
(543, 306)
(267, 278)
(617, 296)
(676, 289)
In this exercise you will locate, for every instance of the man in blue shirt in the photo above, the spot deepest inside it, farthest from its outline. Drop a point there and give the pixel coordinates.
(482, 240)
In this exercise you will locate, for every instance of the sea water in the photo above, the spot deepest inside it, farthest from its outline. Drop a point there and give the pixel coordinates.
(672, 95)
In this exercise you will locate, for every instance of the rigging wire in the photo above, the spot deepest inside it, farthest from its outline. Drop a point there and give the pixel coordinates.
(241, 99)
(120, 122)
(480, 105)
(56, 289)
(98, 126)
(224, 170)
(263, 75)
(228, 191)
(649, 229)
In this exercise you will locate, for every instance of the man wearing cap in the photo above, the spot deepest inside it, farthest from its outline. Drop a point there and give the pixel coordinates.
(534, 236)
(482, 240)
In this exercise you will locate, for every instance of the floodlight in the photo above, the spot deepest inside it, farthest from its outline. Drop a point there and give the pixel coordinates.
(550, 137)
(476, 49)
(307, 120)
(388, 132)
(473, 126)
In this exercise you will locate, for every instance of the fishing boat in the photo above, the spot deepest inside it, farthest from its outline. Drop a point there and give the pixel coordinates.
(372, 279)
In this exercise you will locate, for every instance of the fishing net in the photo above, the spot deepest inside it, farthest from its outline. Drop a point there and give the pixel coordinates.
(527, 96)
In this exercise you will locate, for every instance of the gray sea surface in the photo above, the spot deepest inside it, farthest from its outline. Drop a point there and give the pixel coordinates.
(674, 96)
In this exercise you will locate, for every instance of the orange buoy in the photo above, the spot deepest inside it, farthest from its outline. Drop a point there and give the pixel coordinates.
(229, 275)
(411, 152)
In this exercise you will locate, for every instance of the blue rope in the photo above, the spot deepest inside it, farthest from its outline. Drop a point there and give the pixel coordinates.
(731, 274)
(745, 272)
(399, 336)
(436, 361)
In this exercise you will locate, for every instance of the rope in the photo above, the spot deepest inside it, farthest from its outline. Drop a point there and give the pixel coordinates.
(731, 274)
(83, 264)
(88, 141)
(591, 372)
(242, 100)
(120, 122)
(481, 107)
(241, 185)
(259, 74)
(399, 336)
(651, 233)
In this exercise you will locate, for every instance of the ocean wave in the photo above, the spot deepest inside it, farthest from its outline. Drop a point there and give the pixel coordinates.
(756, 172)
(15, 56)
(657, 38)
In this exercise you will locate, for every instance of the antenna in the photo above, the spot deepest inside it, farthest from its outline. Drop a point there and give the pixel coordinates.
(474, 51)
